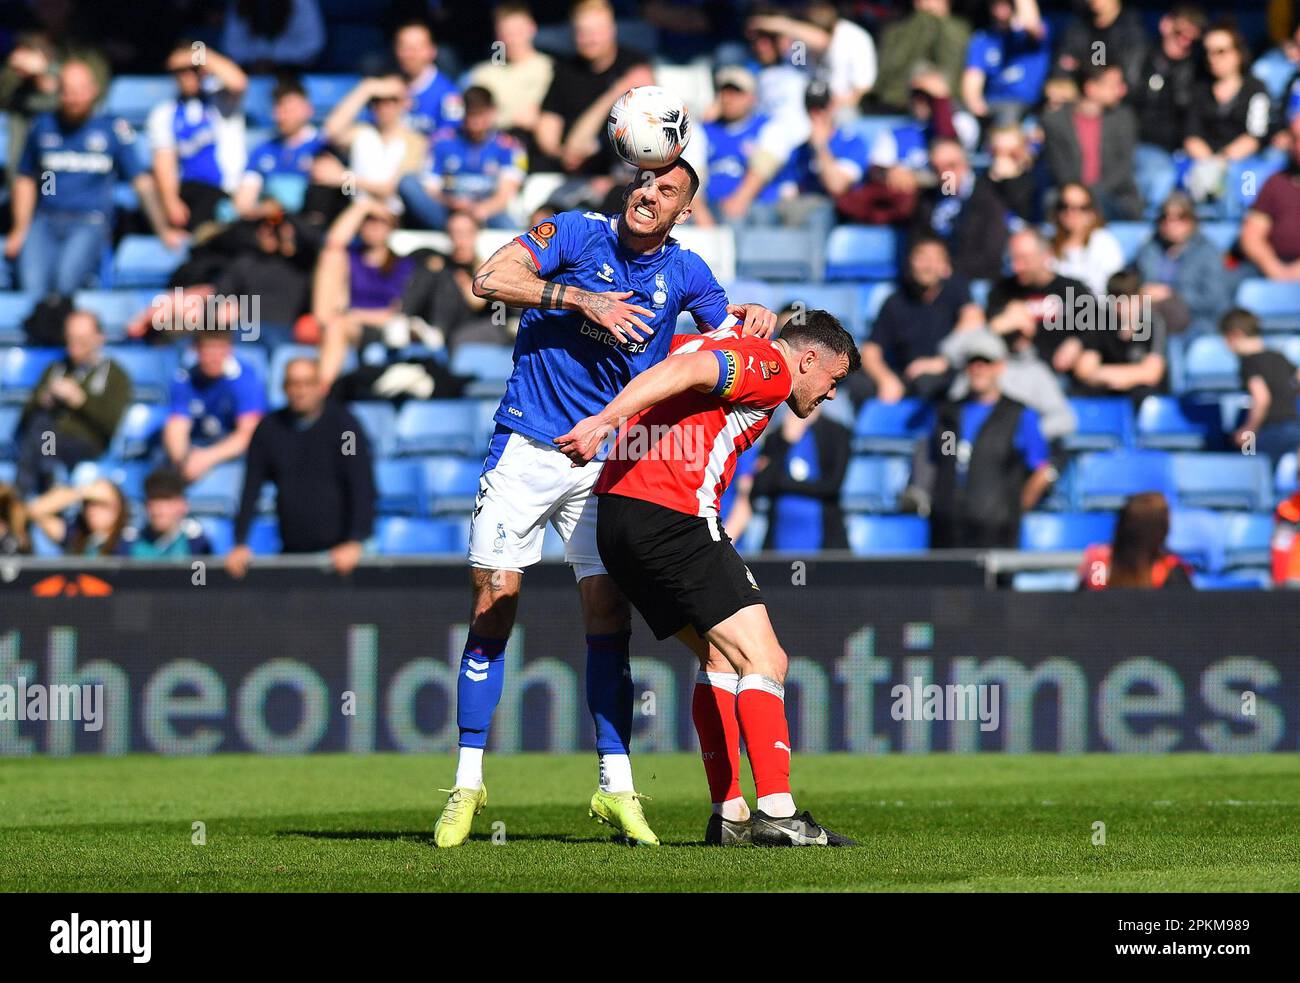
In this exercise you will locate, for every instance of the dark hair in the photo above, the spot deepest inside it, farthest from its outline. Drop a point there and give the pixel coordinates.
(288, 86)
(1239, 319)
(1189, 12)
(81, 529)
(1089, 72)
(476, 97)
(823, 329)
(164, 483)
(681, 162)
(1140, 534)
(1125, 283)
(13, 513)
(423, 25)
(265, 18)
(1238, 41)
(926, 238)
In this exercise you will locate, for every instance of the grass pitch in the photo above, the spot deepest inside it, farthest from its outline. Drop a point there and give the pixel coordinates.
(937, 823)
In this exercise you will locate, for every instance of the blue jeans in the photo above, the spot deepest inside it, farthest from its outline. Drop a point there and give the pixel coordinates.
(63, 251)
(432, 213)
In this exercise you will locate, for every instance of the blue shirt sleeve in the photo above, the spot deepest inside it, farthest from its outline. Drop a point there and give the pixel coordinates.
(1030, 440)
(124, 155)
(180, 395)
(28, 163)
(703, 296)
(250, 393)
(977, 53)
(557, 241)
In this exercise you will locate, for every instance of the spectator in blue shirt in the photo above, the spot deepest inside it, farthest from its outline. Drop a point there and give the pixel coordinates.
(197, 138)
(169, 530)
(435, 100)
(63, 189)
(215, 407)
(279, 170)
(477, 169)
(1007, 63)
(732, 138)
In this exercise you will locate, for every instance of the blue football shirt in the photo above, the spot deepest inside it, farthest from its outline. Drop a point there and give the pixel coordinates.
(567, 368)
(213, 406)
(80, 162)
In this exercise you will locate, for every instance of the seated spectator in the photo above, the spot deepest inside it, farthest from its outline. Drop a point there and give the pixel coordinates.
(1287, 106)
(1230, 114)
(317, 455)
(1270, 232)
(1285, 547)
(269, 36)
(902, 355)
(169, 530)
(963, 210)
(97, 528)
(59, 239)
(279, 170)
(1107, 27)
(1125, 353)
(197, 138)
(517, 74)
(1037, 302)
(844, 53)
(799, 472)
(990, 459)
(1007, 62)
(1165, 96)
(571, 129)
(29, 86)
(1179, 264)
(1011, 171)
(433, 99)
(477, 170)
(379, 154)
(732, 138)
(1137, 556)
(14, 537)
(1092, 142)
(931, 37)
(215, 405)
(75, 408)
(1271, 426)
(1082, 247)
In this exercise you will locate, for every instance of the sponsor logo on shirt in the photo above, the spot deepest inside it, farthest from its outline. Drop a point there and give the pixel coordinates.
(541, 235)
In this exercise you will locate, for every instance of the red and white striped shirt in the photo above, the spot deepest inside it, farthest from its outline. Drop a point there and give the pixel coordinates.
(681, 453)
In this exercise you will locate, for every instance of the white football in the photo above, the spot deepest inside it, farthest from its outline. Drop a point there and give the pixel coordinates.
(649, 126)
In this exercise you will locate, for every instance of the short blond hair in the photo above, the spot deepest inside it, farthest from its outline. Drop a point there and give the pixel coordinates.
(591, 7)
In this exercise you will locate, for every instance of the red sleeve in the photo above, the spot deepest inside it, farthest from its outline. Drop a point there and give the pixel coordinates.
(752, 372)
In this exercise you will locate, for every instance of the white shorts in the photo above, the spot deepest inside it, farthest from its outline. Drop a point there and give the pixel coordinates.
(524, 485)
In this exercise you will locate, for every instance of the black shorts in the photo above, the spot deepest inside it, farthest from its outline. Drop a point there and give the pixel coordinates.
(676, 569)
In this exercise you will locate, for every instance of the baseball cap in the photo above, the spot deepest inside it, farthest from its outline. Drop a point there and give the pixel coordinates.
(736, 76)
(985, 345)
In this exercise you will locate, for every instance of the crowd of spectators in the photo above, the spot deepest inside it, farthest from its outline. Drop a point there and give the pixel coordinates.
(1003, 142)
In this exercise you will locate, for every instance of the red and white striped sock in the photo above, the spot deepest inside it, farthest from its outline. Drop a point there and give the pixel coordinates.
(760, 706)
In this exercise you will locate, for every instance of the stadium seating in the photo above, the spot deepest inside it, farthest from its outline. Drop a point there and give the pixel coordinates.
(1209, 365)
(20, 370)
(9, 417)
(778, 254)
(874, 483)
(445, 426)
(891, 428)
(1285, 479)
(1131, 236)
(842, 300)
(1246, 538)
(1197, 536)
(397, 535)
(1245, 179)
(114, 308)
(872, 297)
(490, 364)
(1104, 424)
(1046, 531)
(264, 535)
(1105, 480)
(379, 420)
(1222, 481)
(139, 431)
(399, 486)
(862, 252)
(1170, 423)
(1222, 234)
(1277, 304)
(871, 535)
(14, 308)
(133, 96)
(150, 369)
(218, 491)
(220, 533)
(1275, 70)
(143, 261)
(449, 484)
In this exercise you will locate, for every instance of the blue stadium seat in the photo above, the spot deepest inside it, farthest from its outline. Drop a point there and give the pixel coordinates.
(20, 370)
(488, 362)
(1222, 234)
(1246, 539)
(1210, 366)
(1169, 423)
(220, 532)
(8, 472)
(280, 357)
(1058, 581)
(1284, 483)
(133, 96)
(862, 252)
(127, 475)
(1275, 70)
(397, 535)
(871, 535)
(777, 253)
(143, 261)
(1046, 531)
(379, 420)
(149, 368)
(842, 300)
(1222, 481)
(114, 308)
(14, 308)
(1288, 345)
(872, 297)
(399, 486)
(264, 535)
(1233, 580)
(9, 417)
(1105, 480)
(1197, 536)
(218, 491)
(1245, 179)
(979, 292)
(1277, 304)
(449, 484)
(891, 428)
(1105, 423)
(327, 91)
(1131, 236)
(258, 105)
(139, 431)
(873, 483)
(439, 426)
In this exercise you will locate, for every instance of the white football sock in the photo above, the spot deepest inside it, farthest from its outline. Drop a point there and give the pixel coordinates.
(778, 806)
(616, 773)
(469, 768)
(736, 810)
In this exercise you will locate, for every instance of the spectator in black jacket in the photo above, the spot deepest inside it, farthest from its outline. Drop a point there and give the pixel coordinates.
(1093, 141)
(1171, 72)
(316, 454)
(800, 472)
(964, 211)
(1109, 28)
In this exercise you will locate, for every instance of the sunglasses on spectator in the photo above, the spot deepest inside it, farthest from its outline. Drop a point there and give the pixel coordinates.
(1074, 206)
(1175, 217)
(1215, 52)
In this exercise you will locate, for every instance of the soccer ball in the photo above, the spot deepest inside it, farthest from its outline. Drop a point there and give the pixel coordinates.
(649, 126)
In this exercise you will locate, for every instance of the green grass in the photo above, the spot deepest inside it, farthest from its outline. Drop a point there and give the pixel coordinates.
(937, 823)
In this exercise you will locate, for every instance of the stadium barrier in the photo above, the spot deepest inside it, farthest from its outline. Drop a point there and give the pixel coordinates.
(295, 660)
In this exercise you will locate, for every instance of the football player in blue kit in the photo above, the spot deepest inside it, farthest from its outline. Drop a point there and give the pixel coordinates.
(602, 294)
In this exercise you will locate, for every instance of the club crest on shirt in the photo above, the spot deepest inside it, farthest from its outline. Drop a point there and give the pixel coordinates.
(542, 234)
(661, 291)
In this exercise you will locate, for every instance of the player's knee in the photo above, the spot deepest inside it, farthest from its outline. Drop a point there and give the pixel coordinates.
(771, 662)
(604, 607)
(496, 599)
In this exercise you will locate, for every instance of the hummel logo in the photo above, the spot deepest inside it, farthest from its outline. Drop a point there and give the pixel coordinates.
(606, 273)
(478, 676)
(782, 746)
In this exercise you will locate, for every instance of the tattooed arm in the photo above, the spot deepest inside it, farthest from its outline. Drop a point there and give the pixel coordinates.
(509, 277)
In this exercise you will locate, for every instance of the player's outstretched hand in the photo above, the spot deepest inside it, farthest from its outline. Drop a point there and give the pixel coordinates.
(580, 444)
(758, 320)
(611, 311)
